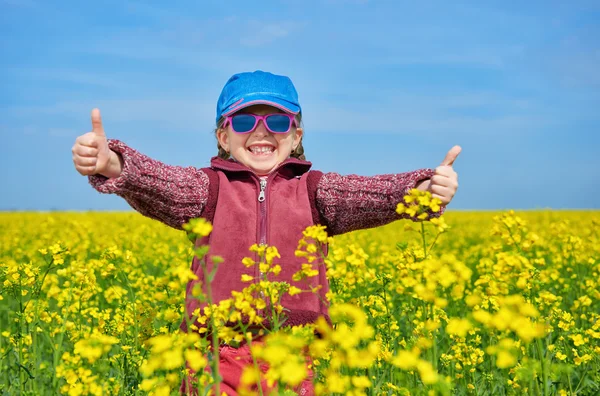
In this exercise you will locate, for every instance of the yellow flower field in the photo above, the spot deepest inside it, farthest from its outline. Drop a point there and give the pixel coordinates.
(475, 303)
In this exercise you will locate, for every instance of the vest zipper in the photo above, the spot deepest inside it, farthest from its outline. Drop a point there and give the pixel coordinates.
(263, 211)
(262, 199)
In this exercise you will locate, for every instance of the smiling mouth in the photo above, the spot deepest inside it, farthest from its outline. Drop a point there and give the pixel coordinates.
(261, 150)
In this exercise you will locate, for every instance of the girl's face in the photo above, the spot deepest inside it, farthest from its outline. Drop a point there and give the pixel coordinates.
(260, 150)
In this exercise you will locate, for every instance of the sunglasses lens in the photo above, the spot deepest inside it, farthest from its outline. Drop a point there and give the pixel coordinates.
(278, 123)
(243, 123)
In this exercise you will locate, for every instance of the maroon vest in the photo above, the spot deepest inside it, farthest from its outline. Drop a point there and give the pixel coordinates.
(244, 212)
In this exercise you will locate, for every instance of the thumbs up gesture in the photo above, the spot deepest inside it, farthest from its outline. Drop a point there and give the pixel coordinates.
(444, 183)
(91, 154)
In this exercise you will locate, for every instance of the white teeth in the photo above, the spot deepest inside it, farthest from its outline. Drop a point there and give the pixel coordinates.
(262, 149)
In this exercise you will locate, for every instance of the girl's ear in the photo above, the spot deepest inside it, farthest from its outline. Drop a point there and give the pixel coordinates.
(297, 137)
(223, 139)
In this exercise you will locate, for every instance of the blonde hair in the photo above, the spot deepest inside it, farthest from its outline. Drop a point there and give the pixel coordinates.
(298, 152)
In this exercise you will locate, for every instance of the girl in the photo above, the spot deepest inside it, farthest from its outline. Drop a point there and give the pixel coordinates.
(259, 189)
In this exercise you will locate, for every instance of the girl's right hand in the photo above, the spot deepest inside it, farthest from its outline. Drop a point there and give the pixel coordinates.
(91, 154)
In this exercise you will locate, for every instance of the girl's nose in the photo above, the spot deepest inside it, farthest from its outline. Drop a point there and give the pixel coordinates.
(261, 129)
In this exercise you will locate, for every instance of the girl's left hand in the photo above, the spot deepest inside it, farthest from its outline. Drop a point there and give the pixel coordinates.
(444, 183)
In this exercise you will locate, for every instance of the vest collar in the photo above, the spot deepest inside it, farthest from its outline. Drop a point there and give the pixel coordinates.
(292, 166)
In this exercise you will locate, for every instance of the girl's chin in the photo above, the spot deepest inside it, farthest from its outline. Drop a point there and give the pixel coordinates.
(261, 164)
(262, 167)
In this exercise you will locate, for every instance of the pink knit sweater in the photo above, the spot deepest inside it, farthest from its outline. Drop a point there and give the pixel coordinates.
(175, 194)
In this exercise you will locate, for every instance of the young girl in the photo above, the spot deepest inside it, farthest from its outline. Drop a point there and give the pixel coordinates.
(258, 190)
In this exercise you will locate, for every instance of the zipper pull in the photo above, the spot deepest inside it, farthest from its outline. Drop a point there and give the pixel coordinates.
(263, 185)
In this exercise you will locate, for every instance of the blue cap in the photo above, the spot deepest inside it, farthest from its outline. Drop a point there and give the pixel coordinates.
(247, 89)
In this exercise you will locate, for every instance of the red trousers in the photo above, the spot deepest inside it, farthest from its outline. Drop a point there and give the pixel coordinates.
(232, 362)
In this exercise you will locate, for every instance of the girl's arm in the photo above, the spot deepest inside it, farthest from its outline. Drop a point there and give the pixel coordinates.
(170, 194)
(348, 203)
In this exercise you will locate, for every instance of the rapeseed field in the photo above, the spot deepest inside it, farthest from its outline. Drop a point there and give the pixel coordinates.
(473, 303)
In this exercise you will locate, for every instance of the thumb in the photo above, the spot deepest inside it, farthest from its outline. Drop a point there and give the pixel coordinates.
(97, 123)
(451, 156)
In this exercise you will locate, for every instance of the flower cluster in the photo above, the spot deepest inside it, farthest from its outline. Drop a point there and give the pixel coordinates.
(419, 204)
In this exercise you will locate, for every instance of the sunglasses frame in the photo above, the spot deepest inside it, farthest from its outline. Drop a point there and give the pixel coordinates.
(263, 118)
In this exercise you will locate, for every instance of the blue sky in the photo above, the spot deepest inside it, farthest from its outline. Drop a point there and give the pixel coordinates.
(385, 86)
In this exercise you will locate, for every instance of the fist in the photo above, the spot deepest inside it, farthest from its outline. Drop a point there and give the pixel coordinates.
(91, 154)
(444, 183)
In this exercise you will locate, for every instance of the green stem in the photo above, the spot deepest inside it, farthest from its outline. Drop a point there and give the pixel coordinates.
(387, 319)
(255, 364)
(2, 348)
(20, 352)
(58, 349)
(214, 334)
(133, 305)
(423, 237)
(513, 239)
(37, 292)
(545, 389)
(433, 244)
(79, 310)
(434, 346)
(34, 346)
(580, 382)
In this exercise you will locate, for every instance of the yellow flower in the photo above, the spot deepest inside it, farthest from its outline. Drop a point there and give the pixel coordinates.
(293, 372)
(293, 290)
(578, 340)
(361, 381)
(417, 203)
(199, 226)
(406, 360)
(582, 359)
(248, 262)
(161, 343)
(473, 300)
(94, 346)
(400, 209)
(505, 359)
(439, 222)
(247, 278)
(427, 372)
(458, 327)
(335, 384)
(307, 271)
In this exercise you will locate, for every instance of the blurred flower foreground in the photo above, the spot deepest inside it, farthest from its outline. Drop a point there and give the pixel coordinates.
(469, 304)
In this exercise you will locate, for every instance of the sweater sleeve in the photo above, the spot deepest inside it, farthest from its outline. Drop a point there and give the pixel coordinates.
(349, 203)
(170, 194)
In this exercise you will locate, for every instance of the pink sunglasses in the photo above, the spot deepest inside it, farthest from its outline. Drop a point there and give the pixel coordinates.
(246, 122)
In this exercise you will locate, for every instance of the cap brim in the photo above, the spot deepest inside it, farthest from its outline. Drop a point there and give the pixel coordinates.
(270, 101)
